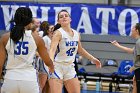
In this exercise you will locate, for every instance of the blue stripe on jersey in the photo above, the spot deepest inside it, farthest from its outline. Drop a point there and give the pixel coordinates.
(56, 75)
(75, 76)
(58, 49)
(44, 67)
(39, 68)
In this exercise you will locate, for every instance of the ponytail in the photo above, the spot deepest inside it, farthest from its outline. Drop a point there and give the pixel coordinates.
(17, 32)
(22, 18)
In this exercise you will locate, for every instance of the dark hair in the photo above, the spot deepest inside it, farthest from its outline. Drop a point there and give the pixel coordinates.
(45, 27)
(57, 26)
(60, 12)
(138, 27)
(22, 18)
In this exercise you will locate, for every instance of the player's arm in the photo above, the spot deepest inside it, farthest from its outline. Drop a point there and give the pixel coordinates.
(126, 49)
(42, 50)
(3, 42)
(55, 40)
(85, 54)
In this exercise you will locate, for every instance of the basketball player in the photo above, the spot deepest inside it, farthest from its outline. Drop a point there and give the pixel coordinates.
(67, 40)
(19, 47)
(36, 25)
(42, 68)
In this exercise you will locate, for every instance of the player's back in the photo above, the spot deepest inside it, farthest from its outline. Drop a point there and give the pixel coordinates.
(20, 58)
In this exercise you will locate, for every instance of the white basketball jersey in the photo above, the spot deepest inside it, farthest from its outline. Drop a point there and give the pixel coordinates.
(47, 41)
(20, 58)
(67, 47)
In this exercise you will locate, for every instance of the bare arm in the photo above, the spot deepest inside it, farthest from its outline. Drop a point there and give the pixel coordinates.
(42, 50)
(3, 41)
(85, 54)
(126, 49)
(55, 40)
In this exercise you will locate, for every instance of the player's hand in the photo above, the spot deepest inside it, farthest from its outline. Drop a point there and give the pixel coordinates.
(132, 69)
(51, 69)
(98, 63)
(115, 43)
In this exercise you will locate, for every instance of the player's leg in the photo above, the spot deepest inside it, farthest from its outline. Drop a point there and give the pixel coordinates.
(56, 79)
(71, 81)
(42, 81)
(55, 85)
(46, 88)
(72, 85)
(134, 85)
(43, 75)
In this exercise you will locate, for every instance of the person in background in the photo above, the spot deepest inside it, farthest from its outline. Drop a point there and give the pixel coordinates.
(42, 68)
(135, 50)
(36, 25)
(67, 41)
(19, 47)
(48, 31)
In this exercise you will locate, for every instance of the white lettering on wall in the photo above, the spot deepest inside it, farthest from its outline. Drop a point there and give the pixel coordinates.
(105, 18)
(122, 18)
(85, 24)
(85, 20)
(44, 13)
(7, 14)
(34, 10)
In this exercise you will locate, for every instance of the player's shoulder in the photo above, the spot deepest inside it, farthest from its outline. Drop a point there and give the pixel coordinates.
(4, 38)
(75, 31)
(57, 33)
(37, 38)
(5, 35)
